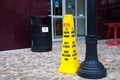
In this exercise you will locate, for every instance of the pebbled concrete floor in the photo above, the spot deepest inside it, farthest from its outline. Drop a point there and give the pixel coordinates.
(23, 64)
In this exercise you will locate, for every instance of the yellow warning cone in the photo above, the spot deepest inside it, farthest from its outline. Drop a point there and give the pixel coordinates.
(69, 59)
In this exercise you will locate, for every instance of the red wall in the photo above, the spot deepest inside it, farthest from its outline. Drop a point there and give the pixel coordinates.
(101, 28)
(15, 21)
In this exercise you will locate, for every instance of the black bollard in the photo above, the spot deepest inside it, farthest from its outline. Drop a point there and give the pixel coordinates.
(91, 68)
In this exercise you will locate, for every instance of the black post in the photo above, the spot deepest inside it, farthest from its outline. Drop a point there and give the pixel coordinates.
(91, 68)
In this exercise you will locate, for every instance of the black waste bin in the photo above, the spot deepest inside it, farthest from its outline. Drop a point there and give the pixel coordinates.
(41, 33)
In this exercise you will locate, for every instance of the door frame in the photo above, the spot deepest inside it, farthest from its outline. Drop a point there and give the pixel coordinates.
(62, 16)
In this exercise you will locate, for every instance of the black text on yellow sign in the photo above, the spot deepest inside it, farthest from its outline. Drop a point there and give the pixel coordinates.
(69, 58)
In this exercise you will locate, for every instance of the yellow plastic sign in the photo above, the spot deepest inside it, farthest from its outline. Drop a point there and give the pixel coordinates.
(69, 58)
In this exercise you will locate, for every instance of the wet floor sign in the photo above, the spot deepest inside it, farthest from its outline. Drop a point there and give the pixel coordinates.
(69, 58)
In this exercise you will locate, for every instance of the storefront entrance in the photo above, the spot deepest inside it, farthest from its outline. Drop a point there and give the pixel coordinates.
(58, 8)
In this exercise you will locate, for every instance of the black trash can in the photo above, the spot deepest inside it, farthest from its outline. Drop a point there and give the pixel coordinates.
(41, 33)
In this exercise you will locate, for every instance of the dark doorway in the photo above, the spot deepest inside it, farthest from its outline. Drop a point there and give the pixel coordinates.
(107, 11)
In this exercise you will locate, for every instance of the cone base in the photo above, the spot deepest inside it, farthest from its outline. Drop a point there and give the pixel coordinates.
(74, 71)
(68, 70)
